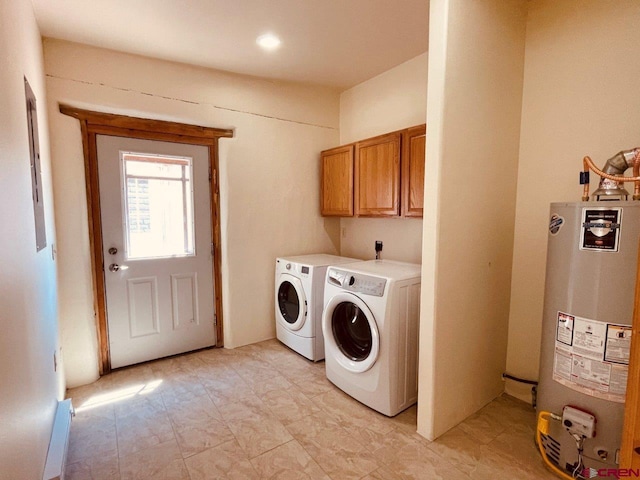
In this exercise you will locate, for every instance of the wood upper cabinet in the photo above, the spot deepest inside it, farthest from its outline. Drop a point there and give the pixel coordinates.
(413, 157)
(364, 178)
(336, 190)
(377, 176)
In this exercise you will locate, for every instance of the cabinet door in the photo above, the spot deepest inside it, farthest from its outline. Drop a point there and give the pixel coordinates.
(377, 173)
(413, 155)
(336, 190)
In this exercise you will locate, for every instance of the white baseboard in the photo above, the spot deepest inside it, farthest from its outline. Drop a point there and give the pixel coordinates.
(59, 443)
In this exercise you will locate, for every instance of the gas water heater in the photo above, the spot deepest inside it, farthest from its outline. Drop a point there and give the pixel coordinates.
(586, 332)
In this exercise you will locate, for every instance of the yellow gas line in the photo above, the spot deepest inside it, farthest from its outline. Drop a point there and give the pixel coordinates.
(543, 428)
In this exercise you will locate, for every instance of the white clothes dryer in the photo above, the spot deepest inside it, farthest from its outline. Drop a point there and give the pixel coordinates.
(299, 299)
(370, 326)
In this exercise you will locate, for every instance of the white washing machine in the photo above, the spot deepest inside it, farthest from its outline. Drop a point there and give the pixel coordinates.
(299, 300)
(370, 325)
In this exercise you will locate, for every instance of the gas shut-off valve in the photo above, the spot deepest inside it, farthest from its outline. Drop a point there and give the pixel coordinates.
(580, 425)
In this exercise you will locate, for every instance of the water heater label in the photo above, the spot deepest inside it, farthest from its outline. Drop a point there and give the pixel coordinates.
(592, 357)
(618, 344)
(555, 224)
(564, 332)
(589, 337)
(600, 229)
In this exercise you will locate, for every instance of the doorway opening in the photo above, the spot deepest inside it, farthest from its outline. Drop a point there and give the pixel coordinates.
(93, 124)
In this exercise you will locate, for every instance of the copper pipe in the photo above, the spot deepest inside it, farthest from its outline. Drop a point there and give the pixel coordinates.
(588, 164)
(585, 189)
(615, 178)
(636, 173)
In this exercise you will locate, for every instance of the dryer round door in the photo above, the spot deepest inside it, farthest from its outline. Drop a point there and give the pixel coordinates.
(350, 332)
(291, 304)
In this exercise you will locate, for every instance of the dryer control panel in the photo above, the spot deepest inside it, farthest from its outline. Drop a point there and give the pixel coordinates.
(356, 282)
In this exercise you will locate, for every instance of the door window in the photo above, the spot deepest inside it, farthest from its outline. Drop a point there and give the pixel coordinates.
(158, 206)
(288, 302)
(351, 331)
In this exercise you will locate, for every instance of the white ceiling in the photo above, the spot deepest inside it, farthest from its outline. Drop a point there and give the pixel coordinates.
(338, 43)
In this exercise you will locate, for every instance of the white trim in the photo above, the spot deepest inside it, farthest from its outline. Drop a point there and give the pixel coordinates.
(59, 443)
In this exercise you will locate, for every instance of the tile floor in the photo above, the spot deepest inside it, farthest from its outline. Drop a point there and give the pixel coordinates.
(262, 411)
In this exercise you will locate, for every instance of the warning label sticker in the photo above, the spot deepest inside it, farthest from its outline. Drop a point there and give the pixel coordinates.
(592, 357)
(618, 382)
(562, 364)
(589, 338)
(590, 373)
(618, 344)
(564, 333)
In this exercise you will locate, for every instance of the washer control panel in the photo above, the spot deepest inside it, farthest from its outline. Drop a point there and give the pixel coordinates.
(356, 282)
(295, 268)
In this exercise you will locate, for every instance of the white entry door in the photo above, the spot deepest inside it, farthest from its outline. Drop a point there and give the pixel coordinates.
(156, 230)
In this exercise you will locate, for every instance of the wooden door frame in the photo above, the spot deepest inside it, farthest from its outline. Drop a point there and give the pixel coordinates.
(97, 123)
(629, 450)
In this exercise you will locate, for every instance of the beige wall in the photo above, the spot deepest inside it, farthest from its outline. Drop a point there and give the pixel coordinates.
(391, 101)
(581, 97)
(474, 98)
(269, 176)
(29, 387)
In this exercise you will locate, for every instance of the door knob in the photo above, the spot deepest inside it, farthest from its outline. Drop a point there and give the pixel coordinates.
(114, 267)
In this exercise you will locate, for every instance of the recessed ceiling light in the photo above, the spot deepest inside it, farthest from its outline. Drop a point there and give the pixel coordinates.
(268, 41)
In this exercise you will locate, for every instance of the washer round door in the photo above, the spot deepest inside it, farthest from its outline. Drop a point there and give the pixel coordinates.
(350, 332)
(291, 304)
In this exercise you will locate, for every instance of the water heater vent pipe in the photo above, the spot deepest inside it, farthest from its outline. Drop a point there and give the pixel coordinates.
(612, 176)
